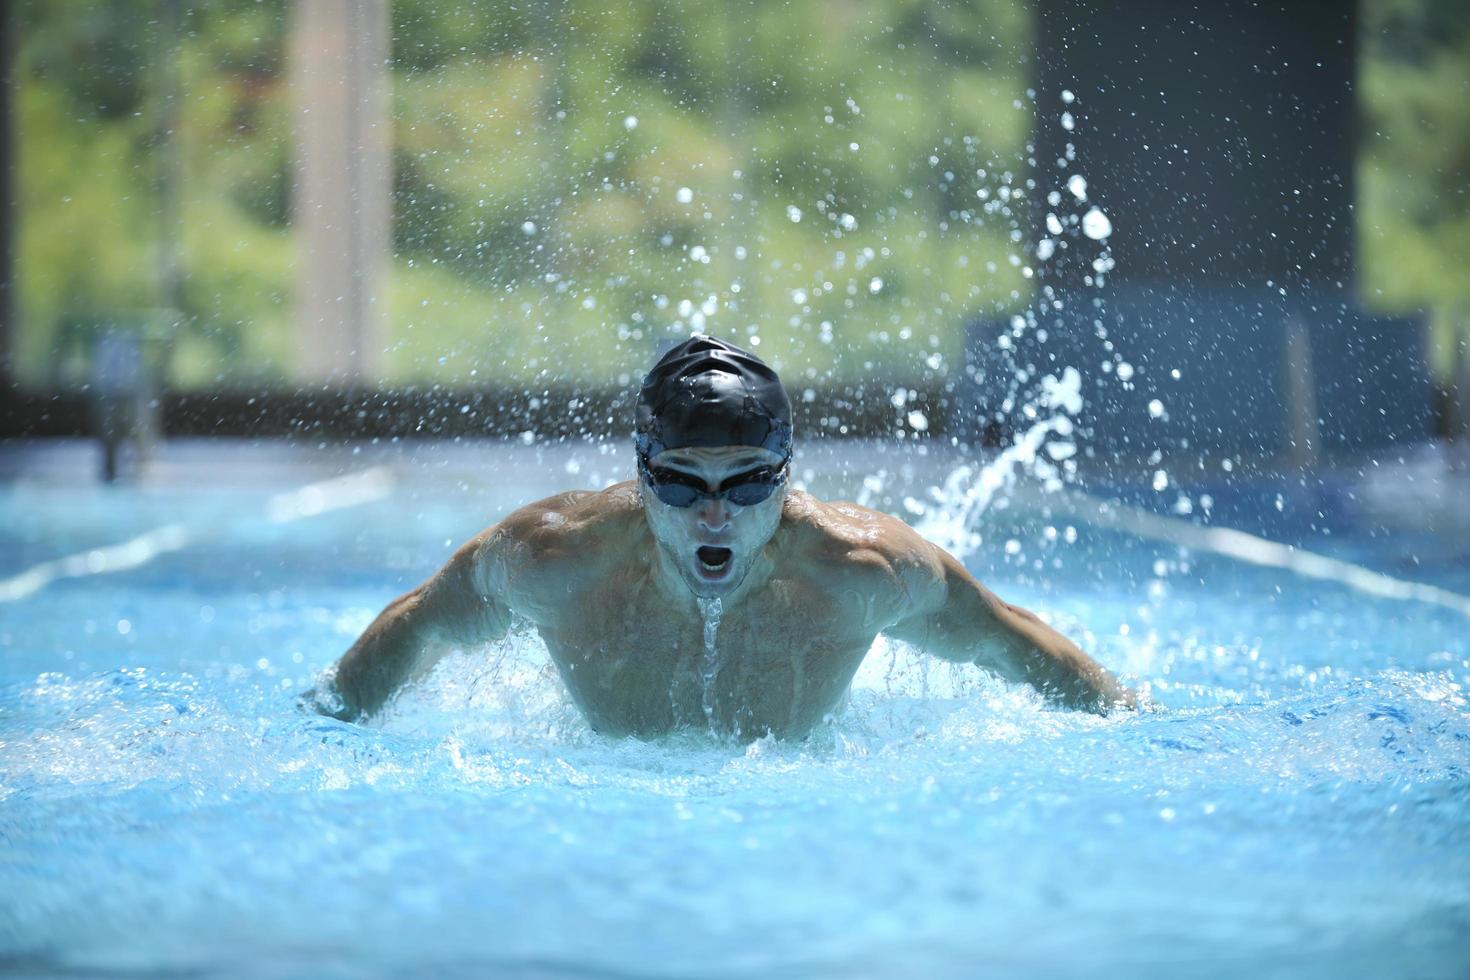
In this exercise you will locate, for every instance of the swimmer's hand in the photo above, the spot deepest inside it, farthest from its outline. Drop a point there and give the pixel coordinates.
(323, 699)
(1141, 699)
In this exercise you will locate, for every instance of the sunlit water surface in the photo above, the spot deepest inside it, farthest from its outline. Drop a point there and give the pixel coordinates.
(1298, 805)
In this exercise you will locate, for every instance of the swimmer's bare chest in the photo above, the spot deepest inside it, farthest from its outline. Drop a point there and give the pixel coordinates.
(780, 661)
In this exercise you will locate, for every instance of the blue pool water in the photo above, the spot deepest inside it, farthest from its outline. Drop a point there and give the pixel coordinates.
(1298, 806)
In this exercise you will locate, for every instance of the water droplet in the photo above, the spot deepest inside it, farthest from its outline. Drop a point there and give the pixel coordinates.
(1095, 225)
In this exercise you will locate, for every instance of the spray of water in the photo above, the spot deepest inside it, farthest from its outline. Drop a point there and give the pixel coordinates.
(968, 491)
(710, 611)
(1043, 409)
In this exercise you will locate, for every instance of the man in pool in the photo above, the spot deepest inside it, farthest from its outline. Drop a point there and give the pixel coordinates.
(707, 592)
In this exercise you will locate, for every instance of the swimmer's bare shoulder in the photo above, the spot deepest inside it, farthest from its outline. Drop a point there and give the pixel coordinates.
(547, 550)
(529, 564)
(921, 594)
(856, 552)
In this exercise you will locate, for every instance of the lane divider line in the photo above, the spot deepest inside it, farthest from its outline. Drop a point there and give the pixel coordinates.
(1255, 550)
(351, 490)
(98, 561)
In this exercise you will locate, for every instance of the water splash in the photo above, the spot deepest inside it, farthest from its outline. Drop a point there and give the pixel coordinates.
(710, 611)
(1045, 408)
(969, 490)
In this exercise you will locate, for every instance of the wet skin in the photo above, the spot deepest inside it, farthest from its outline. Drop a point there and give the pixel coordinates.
(614, 581)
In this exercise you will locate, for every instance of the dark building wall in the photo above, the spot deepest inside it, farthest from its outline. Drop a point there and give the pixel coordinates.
(1218, 139)
(1218, 136)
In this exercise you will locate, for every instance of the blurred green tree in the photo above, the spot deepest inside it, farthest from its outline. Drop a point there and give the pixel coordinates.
(571, 181)
(843, 183)
(92, 124)
(1414, 165)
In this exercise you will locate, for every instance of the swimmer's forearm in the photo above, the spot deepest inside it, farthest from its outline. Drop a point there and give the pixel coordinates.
(389, 652)
(968, 622)
(1029, 650)
(454, 607)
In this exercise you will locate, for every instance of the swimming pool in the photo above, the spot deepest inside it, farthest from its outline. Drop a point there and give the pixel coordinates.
(1298, 807)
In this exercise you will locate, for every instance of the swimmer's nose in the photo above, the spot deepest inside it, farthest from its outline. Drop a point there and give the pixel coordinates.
(714, 515)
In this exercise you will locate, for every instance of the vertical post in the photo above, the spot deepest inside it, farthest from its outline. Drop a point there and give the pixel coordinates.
(9, 31)
(1460, 389)
(733, 186)
(339, 74)
(1303, 431)
(170, 159)
(546, 20)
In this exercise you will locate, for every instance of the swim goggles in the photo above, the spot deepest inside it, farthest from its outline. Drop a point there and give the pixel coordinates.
(683, 489)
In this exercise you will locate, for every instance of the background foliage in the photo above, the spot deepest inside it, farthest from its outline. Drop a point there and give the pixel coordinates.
(1414, 166)
(573, 179)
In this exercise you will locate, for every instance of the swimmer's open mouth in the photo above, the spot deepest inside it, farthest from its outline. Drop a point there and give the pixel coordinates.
(714, 559)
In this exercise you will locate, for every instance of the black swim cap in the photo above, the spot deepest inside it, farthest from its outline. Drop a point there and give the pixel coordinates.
(705, 392)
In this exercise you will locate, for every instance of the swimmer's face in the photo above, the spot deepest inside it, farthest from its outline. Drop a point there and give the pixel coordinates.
(713, 542)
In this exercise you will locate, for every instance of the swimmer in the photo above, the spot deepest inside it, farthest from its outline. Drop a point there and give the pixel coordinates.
(707, 592)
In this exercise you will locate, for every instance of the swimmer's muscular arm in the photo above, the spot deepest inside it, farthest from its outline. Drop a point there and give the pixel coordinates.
(460, 603)
(499, 573)
(946, 612)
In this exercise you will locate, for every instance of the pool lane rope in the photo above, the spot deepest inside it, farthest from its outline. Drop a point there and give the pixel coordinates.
(337, 493)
